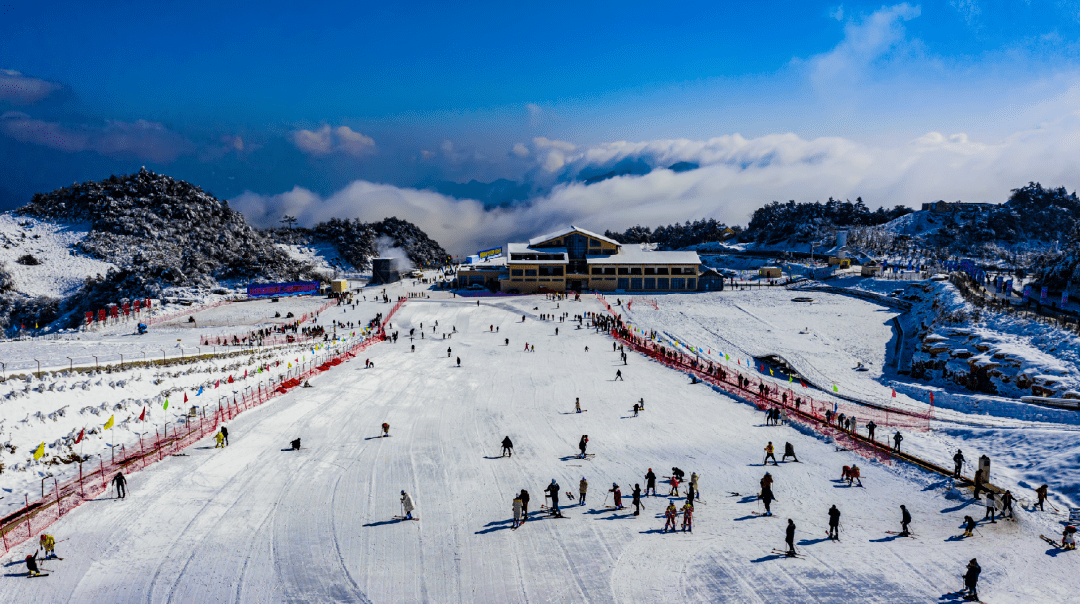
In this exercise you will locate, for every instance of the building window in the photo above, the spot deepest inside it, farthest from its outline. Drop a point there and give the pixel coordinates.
(516, 280)
(597, 271)
(530, 279)
(661, 283)
(609, 278)
(624, 283)
(624, 271)
(516, 272)
(530, 272)
(678, 283)
(594, 243)
(576, 246)
(691, 284)
(635, 283)
(650, 282)
(650, 271)
(609, 271)
(635, 271)
(661, 271)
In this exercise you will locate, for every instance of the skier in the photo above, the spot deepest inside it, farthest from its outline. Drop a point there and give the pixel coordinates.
(958, 459)
(121, 485)
(48, 544)
(896, 440)
(220, 439)
(31, 565)
(577, 405)
(448, 352)
(854, 474)
(790, 537)
(674, 482)
(768, 454)
(507, 341)
(969, 525)
(517, 511)
(650, 483)
(789, 449)
(583, 488)
(524, 495)
(1068, 538)
(459, 361)
(618, 495)
(870, 427)
(553, 492)
(991, 508)
(582, 444)
(905, 520)
(225, 433)
(834, 523)
(618, 375)
(641, 404)
(295, 444)
(507, 447)
(635, 409)
(695, 494)
(637, 499)
(385, 429)
(767, 497)
(979, 484)
(407, 505)
(971, 580)
(688, 516)
(1041, 492)
(670, 514)
(1006, 505)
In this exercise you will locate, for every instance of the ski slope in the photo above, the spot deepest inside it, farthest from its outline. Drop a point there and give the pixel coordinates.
(255, 523)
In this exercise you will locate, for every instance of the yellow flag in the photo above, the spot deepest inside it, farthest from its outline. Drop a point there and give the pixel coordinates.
(770, 372)
(40, 451)
(109, 423)
(290, 365)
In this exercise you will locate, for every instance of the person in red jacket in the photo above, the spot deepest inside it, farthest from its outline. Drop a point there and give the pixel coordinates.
(618, 495)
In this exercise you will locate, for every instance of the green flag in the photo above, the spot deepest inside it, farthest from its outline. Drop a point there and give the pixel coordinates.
(835, 389)
(166, 405)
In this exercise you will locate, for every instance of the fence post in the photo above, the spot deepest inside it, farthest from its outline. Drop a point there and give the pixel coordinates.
(56, 487)
(102, 460)
(81, 492)
(28, 531)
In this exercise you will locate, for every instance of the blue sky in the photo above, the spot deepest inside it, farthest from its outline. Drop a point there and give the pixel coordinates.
(254, 101)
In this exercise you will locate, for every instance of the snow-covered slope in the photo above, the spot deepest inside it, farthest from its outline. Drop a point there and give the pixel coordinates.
(256, 523)
(61, 268)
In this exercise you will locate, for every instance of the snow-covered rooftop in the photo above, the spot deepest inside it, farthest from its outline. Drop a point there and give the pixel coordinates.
(566, 231)
(638, 256)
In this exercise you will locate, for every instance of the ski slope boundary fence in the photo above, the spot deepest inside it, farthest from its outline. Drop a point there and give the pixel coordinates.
(819, 415)
(92, 482)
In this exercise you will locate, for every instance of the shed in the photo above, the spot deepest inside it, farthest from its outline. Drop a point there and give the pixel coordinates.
(339, 286)
(769, 272)
(871, 269)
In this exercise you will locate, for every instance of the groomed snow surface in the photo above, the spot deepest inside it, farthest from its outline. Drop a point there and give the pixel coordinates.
(257, 523)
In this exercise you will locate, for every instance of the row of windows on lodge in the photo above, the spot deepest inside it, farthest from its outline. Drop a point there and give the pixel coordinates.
(648, 283)
(557, 271)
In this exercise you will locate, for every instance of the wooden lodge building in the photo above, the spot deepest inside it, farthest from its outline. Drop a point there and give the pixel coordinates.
(576, 259)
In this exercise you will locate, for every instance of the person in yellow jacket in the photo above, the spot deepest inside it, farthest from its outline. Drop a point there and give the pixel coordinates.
(48, 543)
(220, 438)
(769, 452)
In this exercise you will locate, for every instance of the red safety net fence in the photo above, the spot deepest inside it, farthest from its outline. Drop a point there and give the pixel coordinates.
(94, 479)
(821, 415)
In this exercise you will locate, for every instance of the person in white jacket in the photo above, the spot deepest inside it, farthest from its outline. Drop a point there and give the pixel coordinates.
(407, 505)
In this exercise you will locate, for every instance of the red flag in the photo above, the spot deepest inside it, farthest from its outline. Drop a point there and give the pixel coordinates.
(763, 368)
(230, 379)
(217, 383)
(894, 393)
(803, 383)
(245, 374)
(142, 416)
(78, 438)
(185, 397)
(931, 398)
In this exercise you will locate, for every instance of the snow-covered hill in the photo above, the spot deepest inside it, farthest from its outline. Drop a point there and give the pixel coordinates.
(43, 258)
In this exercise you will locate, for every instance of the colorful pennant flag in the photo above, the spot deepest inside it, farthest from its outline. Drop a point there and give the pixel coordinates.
(78, 439)
(165, 407)
(835, 389)
(109, 424)
(894, 392)
(142, 416)
(39, 452)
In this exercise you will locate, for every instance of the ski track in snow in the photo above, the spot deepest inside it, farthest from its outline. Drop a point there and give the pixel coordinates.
(253, 523)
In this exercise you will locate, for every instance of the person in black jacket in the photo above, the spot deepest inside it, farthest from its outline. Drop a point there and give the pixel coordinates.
(553, 492)
(789, 449)
(582, 444)
(637, 499)
(225, 433)
(650, 483)
(897, 438)
(121, 485)
(790, 537)
(905, 520)
(834, 523)
(524, 495)
(971, 580)
(507, 447)
(958, 459)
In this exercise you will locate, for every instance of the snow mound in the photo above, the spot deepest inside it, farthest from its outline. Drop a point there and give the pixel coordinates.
(42, 257)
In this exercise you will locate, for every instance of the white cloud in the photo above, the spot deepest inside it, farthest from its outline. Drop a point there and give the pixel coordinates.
(837, 13)
(141, 139)
(737, 176)
(968, 9)
(865, 41)
(327, 140)
(18, 89)
(520, 150)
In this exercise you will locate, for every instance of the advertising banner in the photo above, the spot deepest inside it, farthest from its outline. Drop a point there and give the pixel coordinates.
(273, 290)
(494, 252)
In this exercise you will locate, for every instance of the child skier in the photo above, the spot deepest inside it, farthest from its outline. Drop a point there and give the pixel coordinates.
(220, 438)
(517, 511)
(618, 495)
(637, 499)
(583, 488)
(969, 525)
(905, 520)
(407, 505)
(583, 443)
(670, 514)
(31, 565)
(48, 543)
(688, 516)
(768, 454)
(385, 429)
(789, 450)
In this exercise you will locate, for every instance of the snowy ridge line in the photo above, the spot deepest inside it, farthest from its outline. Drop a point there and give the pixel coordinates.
(38, 515)
(815, 419)
(817, 286)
